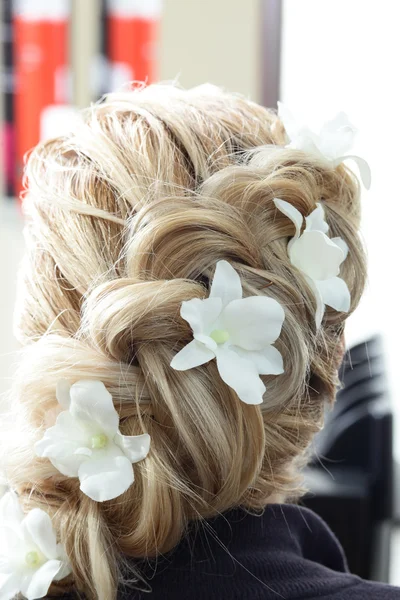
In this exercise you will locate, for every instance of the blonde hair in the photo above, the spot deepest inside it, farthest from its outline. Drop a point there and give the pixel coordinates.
(126, 218)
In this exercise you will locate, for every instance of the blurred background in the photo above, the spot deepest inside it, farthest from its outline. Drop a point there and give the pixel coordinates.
(319, 57)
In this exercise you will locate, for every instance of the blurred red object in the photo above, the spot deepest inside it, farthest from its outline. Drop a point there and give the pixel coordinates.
(41, 57)
(132, 33)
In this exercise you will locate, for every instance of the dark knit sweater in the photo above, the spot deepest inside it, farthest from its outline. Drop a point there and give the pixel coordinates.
(288, 553)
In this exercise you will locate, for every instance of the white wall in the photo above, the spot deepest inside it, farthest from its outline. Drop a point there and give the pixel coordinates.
(343, 55)
(216, 41)
(11, 250)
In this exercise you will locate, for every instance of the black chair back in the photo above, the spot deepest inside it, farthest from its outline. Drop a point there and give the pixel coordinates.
(353, 469)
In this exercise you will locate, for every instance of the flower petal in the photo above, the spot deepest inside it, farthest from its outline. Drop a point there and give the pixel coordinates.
(6, 568)
(62, 393)
(37, 528)
(320, 310)
(316, 255)
(10, 585)
(335, 293)
(267, 361)
(363, 167)
(201, 314)
(106, 478)
(206, 340)
(316, 220)
(192, 355)
(342, 245)
(72, 429)
(253, 322)
(11, 512)
(68, 466)
(61, 453)
(37, 585)
(336, 136)
(11, 517)
(226, 283)
(64, 438)
(61, 442)
(307, 141)
(66, 568)
(241, 375)
(91, 401)
(289, 122)
(135, 447)
(84, 452)
(11, 545)
(291, 213)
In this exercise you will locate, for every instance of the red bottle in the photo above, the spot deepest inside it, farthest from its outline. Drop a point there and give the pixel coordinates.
(132, 33)
(41, 57)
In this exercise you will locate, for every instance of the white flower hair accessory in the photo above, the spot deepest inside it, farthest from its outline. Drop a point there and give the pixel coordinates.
(331, 145)
(30, 557)
(238, 332)
(318, 257)
(86, 442)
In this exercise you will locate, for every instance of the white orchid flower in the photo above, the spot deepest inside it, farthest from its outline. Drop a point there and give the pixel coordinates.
(86, 442)
(238, 332)
(318, 257)
(331, 145)
(30, 557)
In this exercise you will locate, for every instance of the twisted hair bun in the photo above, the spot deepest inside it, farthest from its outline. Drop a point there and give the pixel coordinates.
(126, 218)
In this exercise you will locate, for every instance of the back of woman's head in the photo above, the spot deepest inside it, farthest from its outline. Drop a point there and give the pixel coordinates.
(126, 219)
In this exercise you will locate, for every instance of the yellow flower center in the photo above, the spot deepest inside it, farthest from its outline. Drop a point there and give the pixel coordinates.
(220, 336)
(99, 441)
(32, 559)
